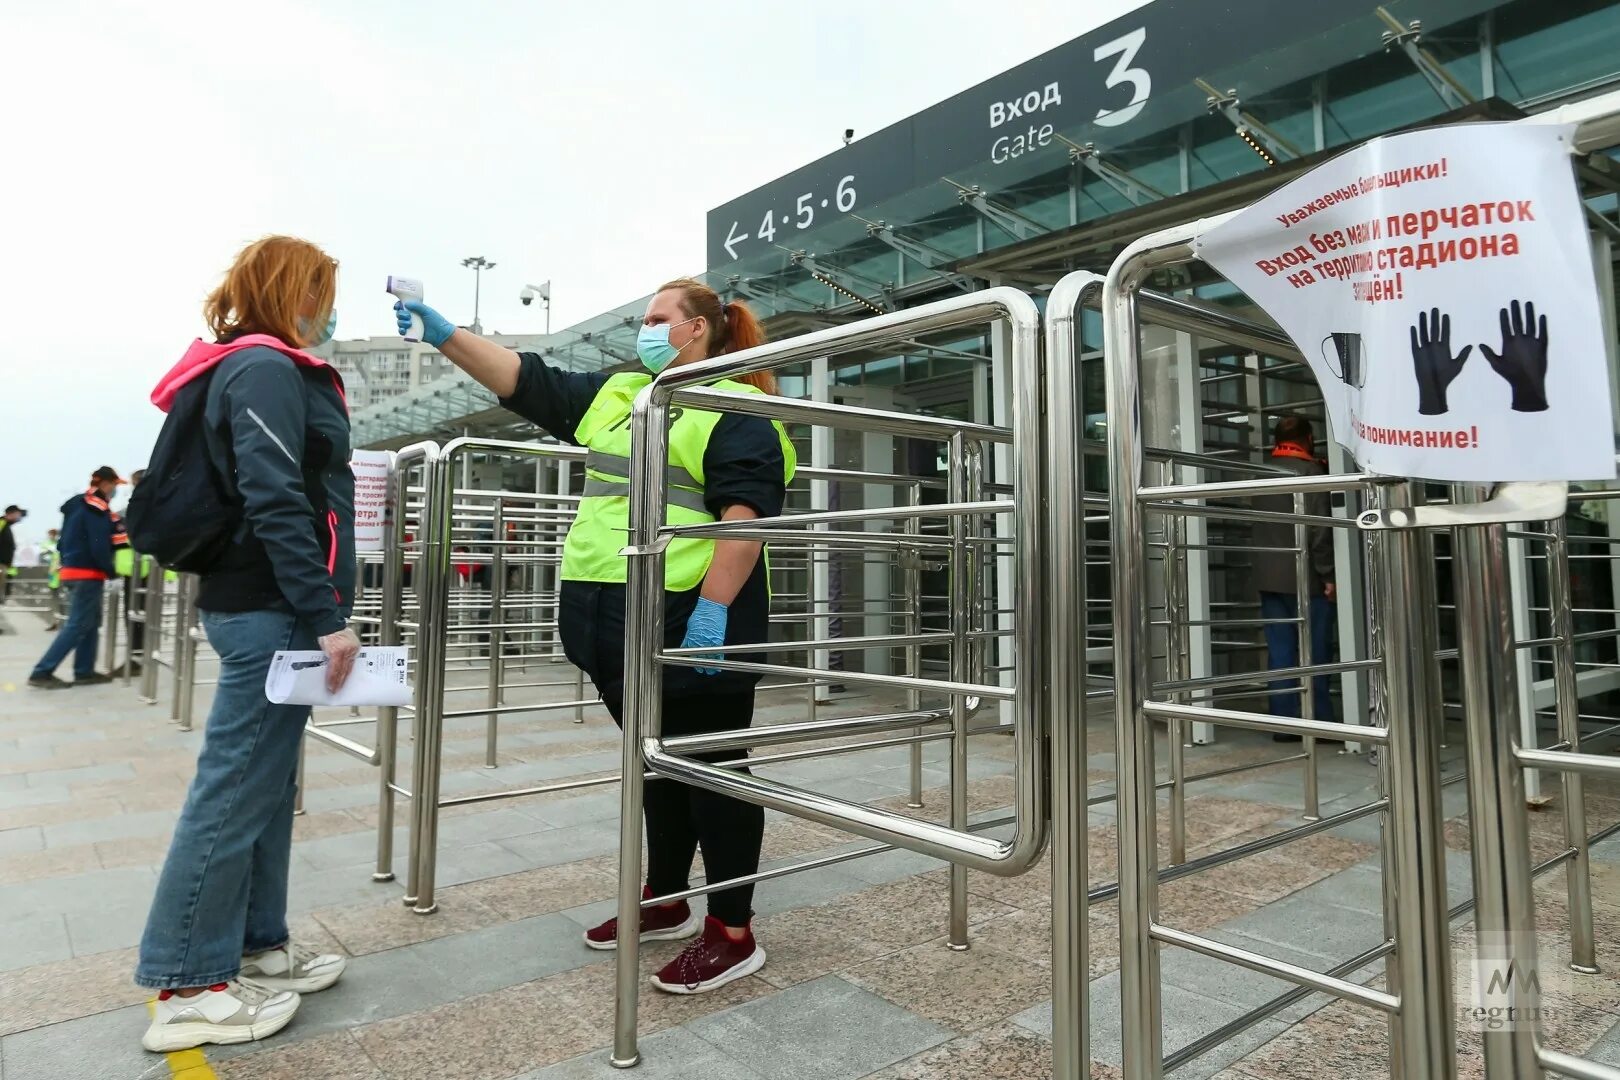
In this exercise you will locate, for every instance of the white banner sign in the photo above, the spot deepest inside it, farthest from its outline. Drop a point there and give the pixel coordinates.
(1440, 285)
(373, 470)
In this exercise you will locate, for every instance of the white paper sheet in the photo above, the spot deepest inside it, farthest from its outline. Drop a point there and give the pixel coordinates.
(379, 678)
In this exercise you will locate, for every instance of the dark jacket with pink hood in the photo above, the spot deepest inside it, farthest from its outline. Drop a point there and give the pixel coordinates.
(278, 429)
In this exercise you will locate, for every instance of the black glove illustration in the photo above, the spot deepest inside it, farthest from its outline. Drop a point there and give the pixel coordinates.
(1433, 362)
(1523, 359)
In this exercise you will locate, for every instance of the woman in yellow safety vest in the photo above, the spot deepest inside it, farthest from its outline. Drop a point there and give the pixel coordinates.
(721, 467)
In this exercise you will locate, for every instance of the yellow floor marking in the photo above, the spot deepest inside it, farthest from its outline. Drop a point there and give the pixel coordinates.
(186, 1064)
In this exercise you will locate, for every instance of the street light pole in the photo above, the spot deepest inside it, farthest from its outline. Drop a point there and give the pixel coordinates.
(477, 264)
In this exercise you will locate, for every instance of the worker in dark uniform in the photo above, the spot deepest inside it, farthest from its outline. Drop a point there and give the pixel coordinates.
(1275, 576)
(723, 467)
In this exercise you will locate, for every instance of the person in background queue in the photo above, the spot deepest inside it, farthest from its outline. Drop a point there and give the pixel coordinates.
(50, 554)
(723, 467)
(132, 568)
(8, 547)
(1275, 575)
(216, 946)
(90, 532)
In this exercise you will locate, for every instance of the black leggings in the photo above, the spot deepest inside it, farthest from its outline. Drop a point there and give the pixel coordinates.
(682, 819)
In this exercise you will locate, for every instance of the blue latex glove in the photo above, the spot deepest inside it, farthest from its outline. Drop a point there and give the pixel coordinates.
(706, 627)
(436, 329)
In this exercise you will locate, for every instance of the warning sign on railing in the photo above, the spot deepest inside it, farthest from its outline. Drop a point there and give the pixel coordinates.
(1440, 284)
(372, 471)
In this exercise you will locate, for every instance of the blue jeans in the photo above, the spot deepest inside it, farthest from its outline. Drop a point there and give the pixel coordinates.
(223, 892)
(79, 635)
(1282, 650)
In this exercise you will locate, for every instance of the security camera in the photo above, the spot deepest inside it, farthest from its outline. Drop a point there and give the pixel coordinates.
(849, 136)
(531, 293)
(526, 296)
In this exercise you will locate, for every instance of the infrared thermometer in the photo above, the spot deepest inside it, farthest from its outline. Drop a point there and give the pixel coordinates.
(408, 289)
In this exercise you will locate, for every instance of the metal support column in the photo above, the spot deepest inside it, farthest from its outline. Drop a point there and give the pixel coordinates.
(1416, 822)
(497, 616)
(1578, 870)
(1504, 917)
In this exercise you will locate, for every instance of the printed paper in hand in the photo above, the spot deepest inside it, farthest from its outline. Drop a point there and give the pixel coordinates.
(378, 678)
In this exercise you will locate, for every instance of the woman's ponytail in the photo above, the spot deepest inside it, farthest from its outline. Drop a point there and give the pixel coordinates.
(733, 325)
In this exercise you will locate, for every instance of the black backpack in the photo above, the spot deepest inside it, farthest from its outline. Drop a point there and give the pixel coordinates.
(183, 513)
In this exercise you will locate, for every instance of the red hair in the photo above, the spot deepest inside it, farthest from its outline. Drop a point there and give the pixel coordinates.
(266, 286)
(733, 327)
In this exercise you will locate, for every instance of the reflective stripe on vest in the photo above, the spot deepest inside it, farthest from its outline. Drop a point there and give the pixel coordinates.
(592, 549)
(681, 487)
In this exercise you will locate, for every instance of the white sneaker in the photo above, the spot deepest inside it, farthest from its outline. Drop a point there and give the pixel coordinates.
(230, 1012)
(293, 967)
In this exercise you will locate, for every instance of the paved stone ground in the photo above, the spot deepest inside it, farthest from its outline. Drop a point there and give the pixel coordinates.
(497, 985)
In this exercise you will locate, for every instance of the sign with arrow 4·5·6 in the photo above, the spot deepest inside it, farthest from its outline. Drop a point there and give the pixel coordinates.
(1440, 286)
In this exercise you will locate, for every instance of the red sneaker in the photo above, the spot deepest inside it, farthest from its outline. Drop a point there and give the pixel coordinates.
(657, 924)
(711, 961)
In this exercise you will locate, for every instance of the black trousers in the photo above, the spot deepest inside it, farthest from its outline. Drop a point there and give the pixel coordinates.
(682, 819)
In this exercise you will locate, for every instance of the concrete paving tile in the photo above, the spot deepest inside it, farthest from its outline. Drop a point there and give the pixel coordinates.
(539, 891)
(1030, 889)
(588, 994)
(355, 848)
(311, 890)
(113, 927)
(45, 778)
(490, 825)
(553, 846)
(1606, 1050)
(67, 989)
(1337, 1042)
(460, 863)
(1002, 1052)
(370, 928)
(889, 866)
(1186, 1017)
(309, 826)
(822, 1030)
(337, 1056)
(105, 1046)
(51, 806)
(909, 912)
(807, 889)
(811, 942)
(374, 989)
(675, 1054)
(1227, 982)
(597, 807)
(478, 961)
(49, 863)
(36, 939)
(147, 851)
(488, 1037)
(964, 991)
(1310, 926)
(116, 827)
(80, 893)
(21, 841)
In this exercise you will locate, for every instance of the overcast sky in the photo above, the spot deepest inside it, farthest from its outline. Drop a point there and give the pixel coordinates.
(577, 142)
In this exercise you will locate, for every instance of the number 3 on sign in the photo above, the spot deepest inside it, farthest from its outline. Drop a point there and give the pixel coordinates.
(1126, 49)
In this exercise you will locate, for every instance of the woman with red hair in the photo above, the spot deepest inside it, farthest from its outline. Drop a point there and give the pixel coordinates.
(276, 432)
(721, 467)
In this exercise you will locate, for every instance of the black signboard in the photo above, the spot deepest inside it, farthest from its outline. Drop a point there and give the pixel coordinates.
(1117, 83)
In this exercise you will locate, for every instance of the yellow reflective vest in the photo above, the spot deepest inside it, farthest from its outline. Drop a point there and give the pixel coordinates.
(600, 532)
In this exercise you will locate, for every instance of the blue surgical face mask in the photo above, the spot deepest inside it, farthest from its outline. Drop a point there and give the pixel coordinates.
(325, 335)
(653, 346)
